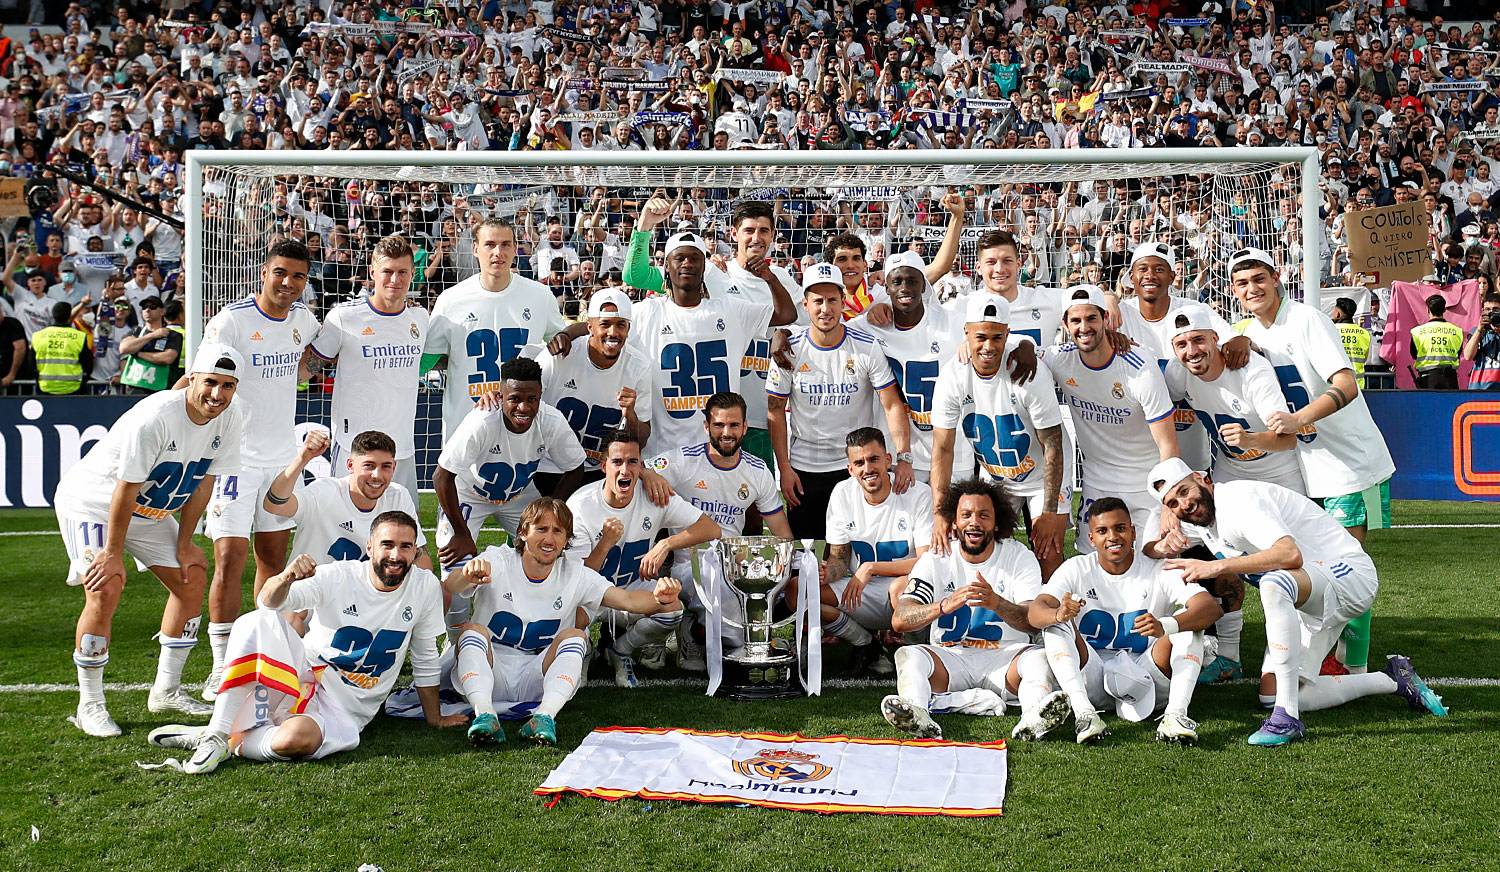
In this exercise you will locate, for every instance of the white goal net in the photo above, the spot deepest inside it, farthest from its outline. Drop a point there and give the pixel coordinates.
(1076, 221)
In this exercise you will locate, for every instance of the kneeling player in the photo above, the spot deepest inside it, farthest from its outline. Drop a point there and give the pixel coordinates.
(1122, 602)
(1313, 576)
(524, 648)
(286, 697)
(974, 600)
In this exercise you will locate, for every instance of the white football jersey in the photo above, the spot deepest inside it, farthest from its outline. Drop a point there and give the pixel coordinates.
(830, 392)
(1245, 396)
(1250, 516)
(916, 356)
(724, 494)
(1344, 453)
(755, 368)
(379, 364)
(1112, 409)
(524, 614)
(154, 442)
(1036, 313)
(893, 530)
(494, 465)
(479, 330)
(1000, 419)
(588, 397)
(642, 520)
(1011, 570)
(694, 353)
(1155, 337)
(1111, 603)
(330, 527)
(363, 634)
(267, 392)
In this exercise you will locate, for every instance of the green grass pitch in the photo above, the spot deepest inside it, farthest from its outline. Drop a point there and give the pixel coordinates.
(1374, 785)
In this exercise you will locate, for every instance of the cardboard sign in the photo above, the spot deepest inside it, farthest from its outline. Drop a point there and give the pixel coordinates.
(1389, 244)
(13, 199)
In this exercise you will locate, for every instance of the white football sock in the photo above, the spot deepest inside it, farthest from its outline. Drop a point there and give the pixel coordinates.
(1036, 680)
(91, 658)
(845, 628)
(1062, 656)
(474, 676)
(562, 678)
(218, 641)
(174, 655)
(226, 707)
(1186, 661)
(256, 744)
(913, 676)
(1229, 629)
(647, 631)
(459, 608)
(1327, 691)
(1278, 595)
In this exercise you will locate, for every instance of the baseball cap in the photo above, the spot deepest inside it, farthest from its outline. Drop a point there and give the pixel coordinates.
(1133, 690)
(1249, 255)
(986, 309)
(606, 297)
(1154, 249)
(1166, 475)
(688, 239)
(218, 359)
(1093, 295)
(1189, 319)
(822, 274)
(907, 259)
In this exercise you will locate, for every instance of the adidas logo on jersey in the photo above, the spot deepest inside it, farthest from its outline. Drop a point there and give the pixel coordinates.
(496, 449)
(351, 611)
(804, 368)
(666, 330)
(1090, 594)
(172, 446)
(470, 318)
(348, 525)
(508, 596)
(256, 337)
(1072, 383)
(701, 485)
(571, 384)
(368, 331)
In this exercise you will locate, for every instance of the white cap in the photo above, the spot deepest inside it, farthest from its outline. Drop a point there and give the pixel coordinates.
(907, 259)
(822, 274)
(1093, 295)
(609, 297)
(983, 308)
(688, 239)
(1246, 255)
(1154, 249)
(218, 359)
(1166, 475)
(1133, 690)
(1190, 318)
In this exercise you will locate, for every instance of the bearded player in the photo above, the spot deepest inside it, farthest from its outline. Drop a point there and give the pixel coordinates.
(289, 697)
(523, 649)
(162, 456)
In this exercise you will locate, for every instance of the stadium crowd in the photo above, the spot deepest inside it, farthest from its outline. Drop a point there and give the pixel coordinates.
(1399, 107)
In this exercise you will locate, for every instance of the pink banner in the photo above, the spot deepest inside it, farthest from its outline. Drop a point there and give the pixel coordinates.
(1408, 308)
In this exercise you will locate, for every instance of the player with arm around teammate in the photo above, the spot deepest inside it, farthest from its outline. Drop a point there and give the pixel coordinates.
(1313, 577)
(161, 457)
(522, 648)
(290, 697)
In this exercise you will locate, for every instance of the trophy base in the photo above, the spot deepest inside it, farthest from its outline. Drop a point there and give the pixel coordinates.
(772, 679)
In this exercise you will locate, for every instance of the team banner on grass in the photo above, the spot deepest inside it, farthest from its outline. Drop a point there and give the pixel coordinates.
(828, 774)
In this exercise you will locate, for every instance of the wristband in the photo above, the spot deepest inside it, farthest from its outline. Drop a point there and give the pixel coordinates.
(1168, 626)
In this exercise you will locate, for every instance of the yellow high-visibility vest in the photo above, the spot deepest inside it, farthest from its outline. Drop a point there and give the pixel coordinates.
(1357, 346)
(58, 370)
(1438, 344)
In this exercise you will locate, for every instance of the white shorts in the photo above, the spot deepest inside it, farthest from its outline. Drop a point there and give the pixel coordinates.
(237, 507)
(476, 512)
(406, 470)
(1342, 591)
(518, 679)
(340, 730)
(1140, 503)
(969, 668)
(874, 609)
(151, 543)
(1035, 504)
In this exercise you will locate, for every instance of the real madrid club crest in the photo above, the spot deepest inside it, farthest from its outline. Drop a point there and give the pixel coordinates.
(645, 523)
(557, 604)
(744, 491)
(415, 332)
(214, 446)
(526, 314)
(849, 365)
(720, 324)
(935, 348)
(1118, 391)
(296, 336)
(406, 614)
(783, 764)
(1036, 314)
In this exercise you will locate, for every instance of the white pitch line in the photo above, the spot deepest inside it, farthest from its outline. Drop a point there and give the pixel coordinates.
(831, 684)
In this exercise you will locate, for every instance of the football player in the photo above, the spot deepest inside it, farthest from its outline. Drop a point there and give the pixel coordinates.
(160, 457)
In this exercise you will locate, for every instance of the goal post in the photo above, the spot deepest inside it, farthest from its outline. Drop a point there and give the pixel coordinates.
(1219, 199)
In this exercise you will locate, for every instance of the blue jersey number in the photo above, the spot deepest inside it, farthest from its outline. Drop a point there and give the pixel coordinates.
(1295, 391)
(361, 652)
(1000, 441)
(509, 630)
(591, 423)
(170, 484)
(1101, 631)
(970, 622)
(488, 349)
(1214, 422)
(918, 380)
(343, 549)
(882, 552)
(501, 482)
(622, 565)
(759, 349)
(700, 370)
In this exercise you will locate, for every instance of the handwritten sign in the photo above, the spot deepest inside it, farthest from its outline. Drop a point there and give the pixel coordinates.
(1389, 243)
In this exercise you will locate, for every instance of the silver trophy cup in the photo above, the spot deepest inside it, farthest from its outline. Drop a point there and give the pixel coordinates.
(755, 570)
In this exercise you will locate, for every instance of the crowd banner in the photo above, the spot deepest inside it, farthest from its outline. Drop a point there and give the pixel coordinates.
(1446, 443)
(1389, 243)
(1408, 308)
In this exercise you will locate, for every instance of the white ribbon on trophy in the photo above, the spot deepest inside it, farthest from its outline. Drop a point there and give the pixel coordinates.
(810, 617)
(712, 576)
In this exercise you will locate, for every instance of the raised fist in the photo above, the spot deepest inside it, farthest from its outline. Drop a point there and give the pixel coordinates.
(477, 571)
(302, 566)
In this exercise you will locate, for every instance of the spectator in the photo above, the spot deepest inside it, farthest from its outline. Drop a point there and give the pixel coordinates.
(152, 358)
(1483, 347)
(13, 355)
(61, 352)
(1435, 347)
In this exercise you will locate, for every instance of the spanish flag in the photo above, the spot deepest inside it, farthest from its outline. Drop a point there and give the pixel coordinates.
(857, 301)
(260, 669)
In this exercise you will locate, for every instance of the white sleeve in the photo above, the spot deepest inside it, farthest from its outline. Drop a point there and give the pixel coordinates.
(922, 581)
(1322, 345)
(1039, 396)
(1150, 390)
(141, 450)
(921, 532)
(220, 328)
(1255, 521)
(1026, 581)
(1068, 577)
(330, 339)
(563, 447)
(779, 380)
(642, 383)
(679, 513)
(1176, 378)
(228, 458)
(430, 624)
(409, 506)
(877, 368)
(460, 450)
(838, 507)
(309, 592)
(1264, 390)
(947, 408)
(585, 527)
(437, 330)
